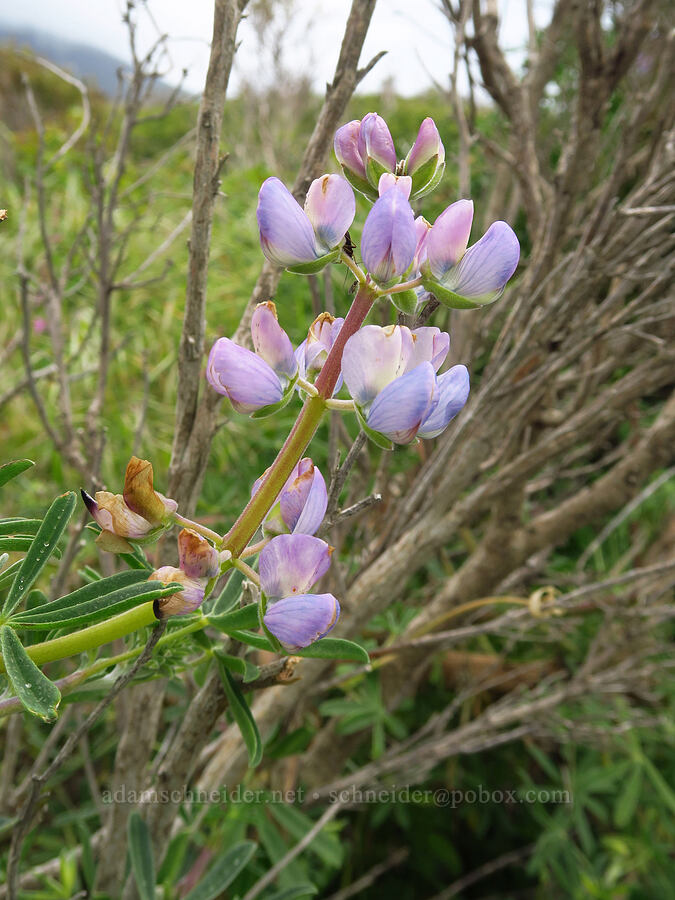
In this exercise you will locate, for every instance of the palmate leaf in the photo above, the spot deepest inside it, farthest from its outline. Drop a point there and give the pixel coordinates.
(12, 469)
(37, 693)
(42, 547)
(223, 872)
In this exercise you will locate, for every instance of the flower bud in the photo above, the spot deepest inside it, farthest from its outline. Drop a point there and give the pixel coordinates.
(182, 602)
(426, 160)
(376, 147)
(388, 240)
(299, 621)
(346, 145)
(365, 150)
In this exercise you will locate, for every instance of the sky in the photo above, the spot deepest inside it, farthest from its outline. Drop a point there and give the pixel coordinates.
(414, 32)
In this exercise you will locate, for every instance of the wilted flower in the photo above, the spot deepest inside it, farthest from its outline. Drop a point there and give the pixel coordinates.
(301, 505)
(388, 240)
(468, 279)
(259, 382)
(305, 241)
(313, 351)
(196, 556)
(182, 602)
(139, 514)
(365, 150)
(198, 561)
(289, 566)
(391, 374)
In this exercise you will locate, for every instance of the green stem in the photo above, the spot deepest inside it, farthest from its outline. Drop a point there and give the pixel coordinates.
(302, 432)
(195, 526)
(93, 636)
(68, 682)
(250, 573)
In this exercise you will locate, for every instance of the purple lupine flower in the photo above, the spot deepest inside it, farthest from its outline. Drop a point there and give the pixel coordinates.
(468, 279)
(289, 566)
(301, 505)
(426, 160)
(400, 408)
(391, 375)
(388, 240)
(453, 392)
(297, 622)
(330, 206)
(372, 358)
(402, 183)
(270, 341)
(448, 238)
(306, 240)
(255, 383)
(313, 351)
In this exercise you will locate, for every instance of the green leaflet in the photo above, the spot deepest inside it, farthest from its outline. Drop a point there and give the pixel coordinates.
(335, 648)
(102, 607)
(42, 547)
(12, 469)
(37, 693)
(243, 667)
(19, 526)
(141, 856)
(295, 892)
(223, 872)
(246, 617)
(242, 716)
(259, 641)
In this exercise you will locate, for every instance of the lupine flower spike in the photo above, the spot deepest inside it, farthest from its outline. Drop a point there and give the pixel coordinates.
(289, 566)
(139, 514)
(468, 279)
(256, 383)
(304, 241)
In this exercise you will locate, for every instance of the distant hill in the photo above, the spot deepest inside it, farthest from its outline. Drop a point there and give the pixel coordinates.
(86, 62)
